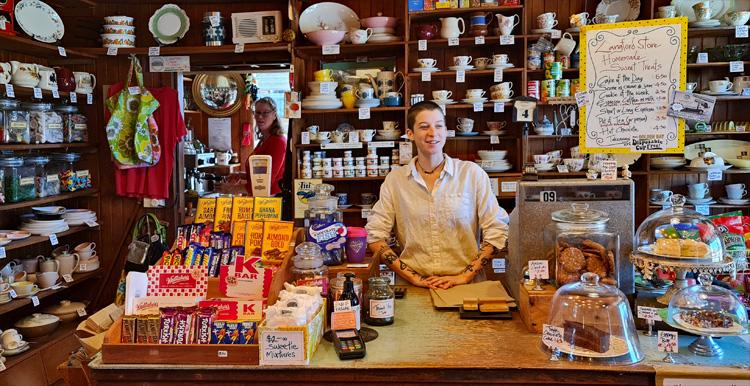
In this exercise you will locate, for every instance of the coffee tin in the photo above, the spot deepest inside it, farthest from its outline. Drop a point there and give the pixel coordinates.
(548, 89)
(532, 89)
(563, 88)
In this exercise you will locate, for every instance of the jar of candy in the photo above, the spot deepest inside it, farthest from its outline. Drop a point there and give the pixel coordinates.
(71, 179)
(40, 173)
(18, 180)
(309, 269)
(46, 126)
(15, 122)
(379, 310)
(324, 224)
(75, 124)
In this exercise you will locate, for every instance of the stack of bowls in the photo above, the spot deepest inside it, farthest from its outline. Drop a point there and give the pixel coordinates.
(493, 160)
(45, 220)
(79, 216)
(667, 162)
(383, 28)
(119, 31)
(322, 101)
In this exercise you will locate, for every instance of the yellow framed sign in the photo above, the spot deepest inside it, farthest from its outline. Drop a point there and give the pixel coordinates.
(629, 72)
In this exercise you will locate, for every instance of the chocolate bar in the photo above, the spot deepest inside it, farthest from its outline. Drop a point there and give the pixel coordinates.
(166, 325)
(248, 332)
(128, 329)
(152, 322)
(141, 330)
(234, 333)
(218, 331)
(203, 325)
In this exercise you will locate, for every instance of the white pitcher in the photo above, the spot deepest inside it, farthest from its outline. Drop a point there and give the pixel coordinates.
(507, 23)
(449, 27)
(5, 71)
(24, 74)
(68, 263)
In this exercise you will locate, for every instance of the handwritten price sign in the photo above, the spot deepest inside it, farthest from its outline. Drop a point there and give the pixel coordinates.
(538, 269)
(552, 336)
(667, 341)
(282, 348)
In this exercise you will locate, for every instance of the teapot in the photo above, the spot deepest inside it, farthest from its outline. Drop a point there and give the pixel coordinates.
(48, 265)
(66, 81)
(386, 82)
(427, 31)
(5, 73)
(24, 74)
(68, 262)
(449, 27)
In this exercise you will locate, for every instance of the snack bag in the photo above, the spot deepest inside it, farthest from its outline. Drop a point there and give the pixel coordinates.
(732, 232)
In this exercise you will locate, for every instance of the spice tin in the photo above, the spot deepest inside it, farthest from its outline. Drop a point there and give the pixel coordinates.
(553, 70)
(563, 88)
(548, 89)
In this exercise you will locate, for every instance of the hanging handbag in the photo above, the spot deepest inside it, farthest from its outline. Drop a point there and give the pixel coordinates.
(146, 248)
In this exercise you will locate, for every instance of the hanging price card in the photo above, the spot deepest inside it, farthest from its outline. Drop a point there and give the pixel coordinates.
(73, 97)
(539, 269)
(405, 151)
(478, 40)
(81, 312)
(89, 99)
(507, 40)
(703, 209)
(552, 336)
(112, 51)
(451, 133)
(366, 213)
(715, 175)
(53, 239)
(555, 34)
(582, 99)
(740, 31)
(91, 223)
(667, 341)
(498, 265)
(422, 45)
(499, 107)
(9, 91)
(35, 301)
(134, 90)
(494, 139)
(508, 186)
(426, 76)
(325, 87)
(239, 48)
(460, 76)
(452, 42)
(562, 168)
(2, 252)
(56, 93)
(353, 137)
(364, 113)
(648, 313)
(154, 51)
(68, 278)
(331, 49)
(37, 93)
(214, 20)
(305, 137)
(478, 106)
(498, 75)
(608, 170)
(737, 66)
(702, 58)
(13, 294)
(61, 50)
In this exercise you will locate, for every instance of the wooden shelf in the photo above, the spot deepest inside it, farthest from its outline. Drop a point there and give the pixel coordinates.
(551, 136)
(47, 200)
(78, 278)
(355, 110)
(353, 179)
(711, 64)
(192, 50)
(45, 239)
(27, 46)
(462, 42)
(715, 31)
(717, 133)
(442, 74)
(45, 146)
(368, 49)
(460, 106)
(460, 11)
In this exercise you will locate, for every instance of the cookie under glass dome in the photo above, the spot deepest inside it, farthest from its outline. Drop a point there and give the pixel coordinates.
(594, 324)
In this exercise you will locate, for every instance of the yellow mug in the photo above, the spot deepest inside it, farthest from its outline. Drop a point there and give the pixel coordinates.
(348, 98)
(323, 75)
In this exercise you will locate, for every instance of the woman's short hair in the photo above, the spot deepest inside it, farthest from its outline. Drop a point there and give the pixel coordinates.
(414, 110)
(276, 128)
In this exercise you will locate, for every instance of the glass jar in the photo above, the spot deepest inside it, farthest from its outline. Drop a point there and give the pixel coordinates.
(45, 125)
(71, 180)
(379, 310)
(19, 180)
(40, 173)
(15, 122)
(309, 269)
(336, 288)
(75, 124)
(324, 224)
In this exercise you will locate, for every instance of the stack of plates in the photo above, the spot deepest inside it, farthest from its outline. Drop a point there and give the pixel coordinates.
(79, 216)
(44, 227)
(321, 101)
(372, 102)
(382, 35)
(493, 160)
(668, 162)
(388, 135)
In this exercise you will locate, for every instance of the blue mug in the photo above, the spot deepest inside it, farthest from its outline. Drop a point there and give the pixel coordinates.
(392, 101)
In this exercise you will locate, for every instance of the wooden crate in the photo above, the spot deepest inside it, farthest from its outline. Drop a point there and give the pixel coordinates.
(226, 354)
(534, 306)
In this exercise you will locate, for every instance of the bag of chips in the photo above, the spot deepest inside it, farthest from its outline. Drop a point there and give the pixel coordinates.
(733, 233)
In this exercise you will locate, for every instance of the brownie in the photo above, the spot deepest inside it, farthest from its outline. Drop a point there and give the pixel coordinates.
(587, 337)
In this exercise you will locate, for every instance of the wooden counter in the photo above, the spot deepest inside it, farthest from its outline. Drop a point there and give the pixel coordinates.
(428, 346)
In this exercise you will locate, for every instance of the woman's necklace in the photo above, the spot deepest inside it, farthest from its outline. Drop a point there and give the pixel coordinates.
(433, 170)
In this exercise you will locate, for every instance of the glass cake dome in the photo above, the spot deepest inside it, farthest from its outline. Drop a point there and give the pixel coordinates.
(591, 322)
(679, 234)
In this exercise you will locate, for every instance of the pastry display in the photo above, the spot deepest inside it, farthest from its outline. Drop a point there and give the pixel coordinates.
(706, 319)
(667, 247)
(680, 248)
(588, 337)
(576, 256)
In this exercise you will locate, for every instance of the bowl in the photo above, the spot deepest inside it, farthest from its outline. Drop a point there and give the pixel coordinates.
(117, 40)
(118, 20)
(574, 164)
(492, 155)
(325, 36)
(378, 21)
(315, 87)
(37, 325)
(66, 310)
(740, 163)
(118, 29)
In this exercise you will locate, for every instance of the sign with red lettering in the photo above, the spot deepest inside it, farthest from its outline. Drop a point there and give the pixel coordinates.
(170, 280)
(234, 309)
(245, 279)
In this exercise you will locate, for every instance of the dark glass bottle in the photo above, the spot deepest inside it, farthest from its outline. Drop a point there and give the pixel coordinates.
(350, 295)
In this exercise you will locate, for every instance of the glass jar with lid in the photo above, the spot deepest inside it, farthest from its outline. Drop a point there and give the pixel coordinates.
(15, 122)
(309, 269)
(591, 322)
(19, 180)
(336, 288)
(71, 179)
(324, 224)
(46, 125)
(380, 302)
(40, 173)
(75, 124)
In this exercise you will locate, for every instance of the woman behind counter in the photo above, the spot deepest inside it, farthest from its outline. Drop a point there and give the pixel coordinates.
(438, 207)
(272, 142)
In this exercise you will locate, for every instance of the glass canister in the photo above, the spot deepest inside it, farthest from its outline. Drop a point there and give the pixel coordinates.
(19, 180)
(15, 122)
(324, 224)
(380, 307)
(75, 124)
(70, 179)
(336, 288)
(40, 173)
(214, 32)
(309, 269)
(578, 252)
(45, 125)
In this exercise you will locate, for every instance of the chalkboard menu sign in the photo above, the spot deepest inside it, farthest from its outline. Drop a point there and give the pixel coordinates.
(629, 71)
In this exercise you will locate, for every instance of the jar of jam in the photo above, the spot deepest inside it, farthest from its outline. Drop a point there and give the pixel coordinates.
(309, 269)
(379, 310)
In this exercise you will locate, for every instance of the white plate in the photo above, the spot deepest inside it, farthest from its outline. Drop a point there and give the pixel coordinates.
(501, 100)
(28, 295)
(39, 21)
(707, 168)
(506, 65)
(699, 200)
(704, 24)
(720, 93)
(316, 105)
(472, 101)
(168, 24)
(735, 329)
(491, 132)
(729, 201)
(617, 347)
(543, 31)
(25, 346)
(425, 69)
(465, 68)
(444, 101)
(718, 8)
(328, 15)
(625, 9)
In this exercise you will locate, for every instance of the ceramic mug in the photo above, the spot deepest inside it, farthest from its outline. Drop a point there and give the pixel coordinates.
(462, 60)
(481, 63)
(348, 99)
(579, 19)
(68, 263)
(690, 86)
(427, 62)
(47, 279)
(547, 20)
(465, 128)
(5, 73)
(500, 59)
(85, 82)
(324, 136)
(741, 83)
(47, 78)
(566, 44)
(720, 85)
(442, 94)
(698, 191)
(360, 36)
(735, 191)
(11, 339)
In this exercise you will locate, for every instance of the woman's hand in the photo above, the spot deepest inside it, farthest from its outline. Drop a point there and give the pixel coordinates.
(445, 282)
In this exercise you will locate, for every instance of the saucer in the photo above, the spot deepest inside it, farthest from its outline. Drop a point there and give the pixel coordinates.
(444, 101)
(28, 295)
(493, 132)
(660, 203)
(573, 29)
(543, 31)
(705, 24)
(472, 101)
(720, 93)
(425, 69)
(699, 201)
(468, 67)
(7, 301)
(729, 201)
(501, 100)
(506, 65)
(345, 206)
(25, 346)
(363, 206)
(469, 134)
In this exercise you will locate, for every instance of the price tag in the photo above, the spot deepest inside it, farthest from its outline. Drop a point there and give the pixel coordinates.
(422, 45)
(451, 133)
(452, 42)
(154, 51)
(331, 49)
(552, 336)
(426, 76)
(35, 301)
(740, 31)
(479, 40)
(239, 48)
(538, 269)
(305, 137)
(83, 267)
(494, 139)
(667, 341)
(282, 347)
(56, 93)
(715, 175)
(353, 137)
(2, 364)
(499, 107)
(737, 66)
(214, 20)
(361, 59)
(53, 239)
(608, 170)
(390, 275)
(342, 305)
(89, 99)
(494, 186)
(364, 113)
(68, 278)
(13, 294)
(2, 252)
(37, 93)
(478, 106)
(222, 353)
(325, 87)
(91, 223)
(555, 34)
(405, 150)
(508, 186)
(111, 51)
(562, 168)
(9, 91)
(745, 91)
(134, 90)
(703, 209)
(547, 196)
(702, 58)
(73, 97)
(648, 313)
(582, 99)
(61, 50)
(507, 40)
(498, 75)
(460, 76)
(366, 213)
(498, 265)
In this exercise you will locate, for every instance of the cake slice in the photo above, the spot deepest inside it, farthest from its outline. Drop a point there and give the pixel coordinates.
(692, 248)
(591, 338)
(669, 247)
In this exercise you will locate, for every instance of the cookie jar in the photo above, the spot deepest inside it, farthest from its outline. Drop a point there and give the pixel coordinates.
(578, 241)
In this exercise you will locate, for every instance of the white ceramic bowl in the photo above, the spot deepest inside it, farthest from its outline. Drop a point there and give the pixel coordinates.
(117, 40)
(492, 155)
(315, 87)
(574, 164)
(378, 22)
(118, 20)
(119, 29)
(325, 36)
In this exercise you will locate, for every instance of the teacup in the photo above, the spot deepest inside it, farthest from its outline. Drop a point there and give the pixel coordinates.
(735, 191)
(690, 86)
(496, 125)
(503, 94)
(474, 93)
(323, 75)
(605, 19)
(735, 18)
(465, 128)
(506, 86)
(442, 94)
(366, 135)
(500, 59)
(360, 36)
(481, 63)
(390, 125)
(368, 198)
(465, 121)
(702, 10)
(667, 11)
(547, 20)
(365, 93)
(698, 191)
(660, 195)
(541, 158)
(88, 246)
(47, 279)
(720, 85)
(427, 62)
(579, 19)
(24, 288)
(11, 339)
(461, 60)
(323, 136)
